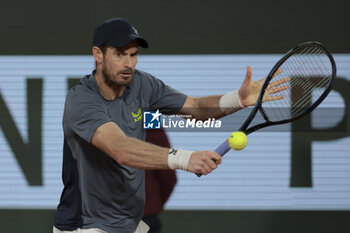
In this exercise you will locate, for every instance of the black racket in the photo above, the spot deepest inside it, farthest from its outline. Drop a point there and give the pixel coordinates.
(308, 70)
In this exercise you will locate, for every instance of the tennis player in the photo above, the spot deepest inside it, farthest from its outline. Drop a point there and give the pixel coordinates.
(104, 153)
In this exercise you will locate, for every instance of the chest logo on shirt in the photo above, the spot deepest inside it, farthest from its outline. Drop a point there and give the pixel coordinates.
(137, 116)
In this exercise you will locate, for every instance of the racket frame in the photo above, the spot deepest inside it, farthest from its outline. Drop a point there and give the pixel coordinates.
(258, 106)
(224, 147)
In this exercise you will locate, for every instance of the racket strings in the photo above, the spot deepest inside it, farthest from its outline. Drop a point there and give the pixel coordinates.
(309, 71)
(302, 91)
(302, 100)
(311, 85)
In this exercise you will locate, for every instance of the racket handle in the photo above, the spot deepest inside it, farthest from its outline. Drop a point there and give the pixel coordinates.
(221, 150)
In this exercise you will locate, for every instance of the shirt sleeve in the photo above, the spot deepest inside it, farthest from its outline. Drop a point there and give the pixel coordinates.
(84, 113)
(165, 98)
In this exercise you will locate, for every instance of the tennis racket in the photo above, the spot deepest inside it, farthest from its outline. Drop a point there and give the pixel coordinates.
(308, 70)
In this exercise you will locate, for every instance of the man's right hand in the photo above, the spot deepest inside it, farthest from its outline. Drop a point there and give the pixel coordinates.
(203, 162)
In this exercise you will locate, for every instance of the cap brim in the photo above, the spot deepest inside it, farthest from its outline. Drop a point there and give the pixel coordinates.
(143, 43)
(121, 42)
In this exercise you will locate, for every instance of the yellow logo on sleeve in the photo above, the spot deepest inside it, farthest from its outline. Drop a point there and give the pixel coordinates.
(137, 116)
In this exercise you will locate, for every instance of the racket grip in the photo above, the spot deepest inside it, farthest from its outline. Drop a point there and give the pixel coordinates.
(221, 150)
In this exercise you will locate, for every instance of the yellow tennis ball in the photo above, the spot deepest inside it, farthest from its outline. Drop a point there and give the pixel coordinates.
(238, 140)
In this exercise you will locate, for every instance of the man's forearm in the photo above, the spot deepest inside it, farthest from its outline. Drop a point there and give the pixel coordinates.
(206, 107)
(139, 154)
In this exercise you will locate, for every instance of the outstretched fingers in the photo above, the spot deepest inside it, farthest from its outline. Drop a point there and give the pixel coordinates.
(276, 87)
(278, 82)
(273, 98)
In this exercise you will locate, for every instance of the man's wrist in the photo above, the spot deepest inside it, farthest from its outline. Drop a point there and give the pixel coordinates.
(179, 159)
(230, 102)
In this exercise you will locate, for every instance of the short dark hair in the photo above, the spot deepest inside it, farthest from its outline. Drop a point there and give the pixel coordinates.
(104, 48)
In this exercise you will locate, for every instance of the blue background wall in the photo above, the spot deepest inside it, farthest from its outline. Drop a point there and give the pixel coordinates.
(181, 27)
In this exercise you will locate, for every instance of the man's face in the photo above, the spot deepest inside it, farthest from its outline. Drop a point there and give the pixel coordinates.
(118, 65)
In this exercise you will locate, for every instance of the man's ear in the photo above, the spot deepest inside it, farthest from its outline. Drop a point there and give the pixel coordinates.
(98, 55)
